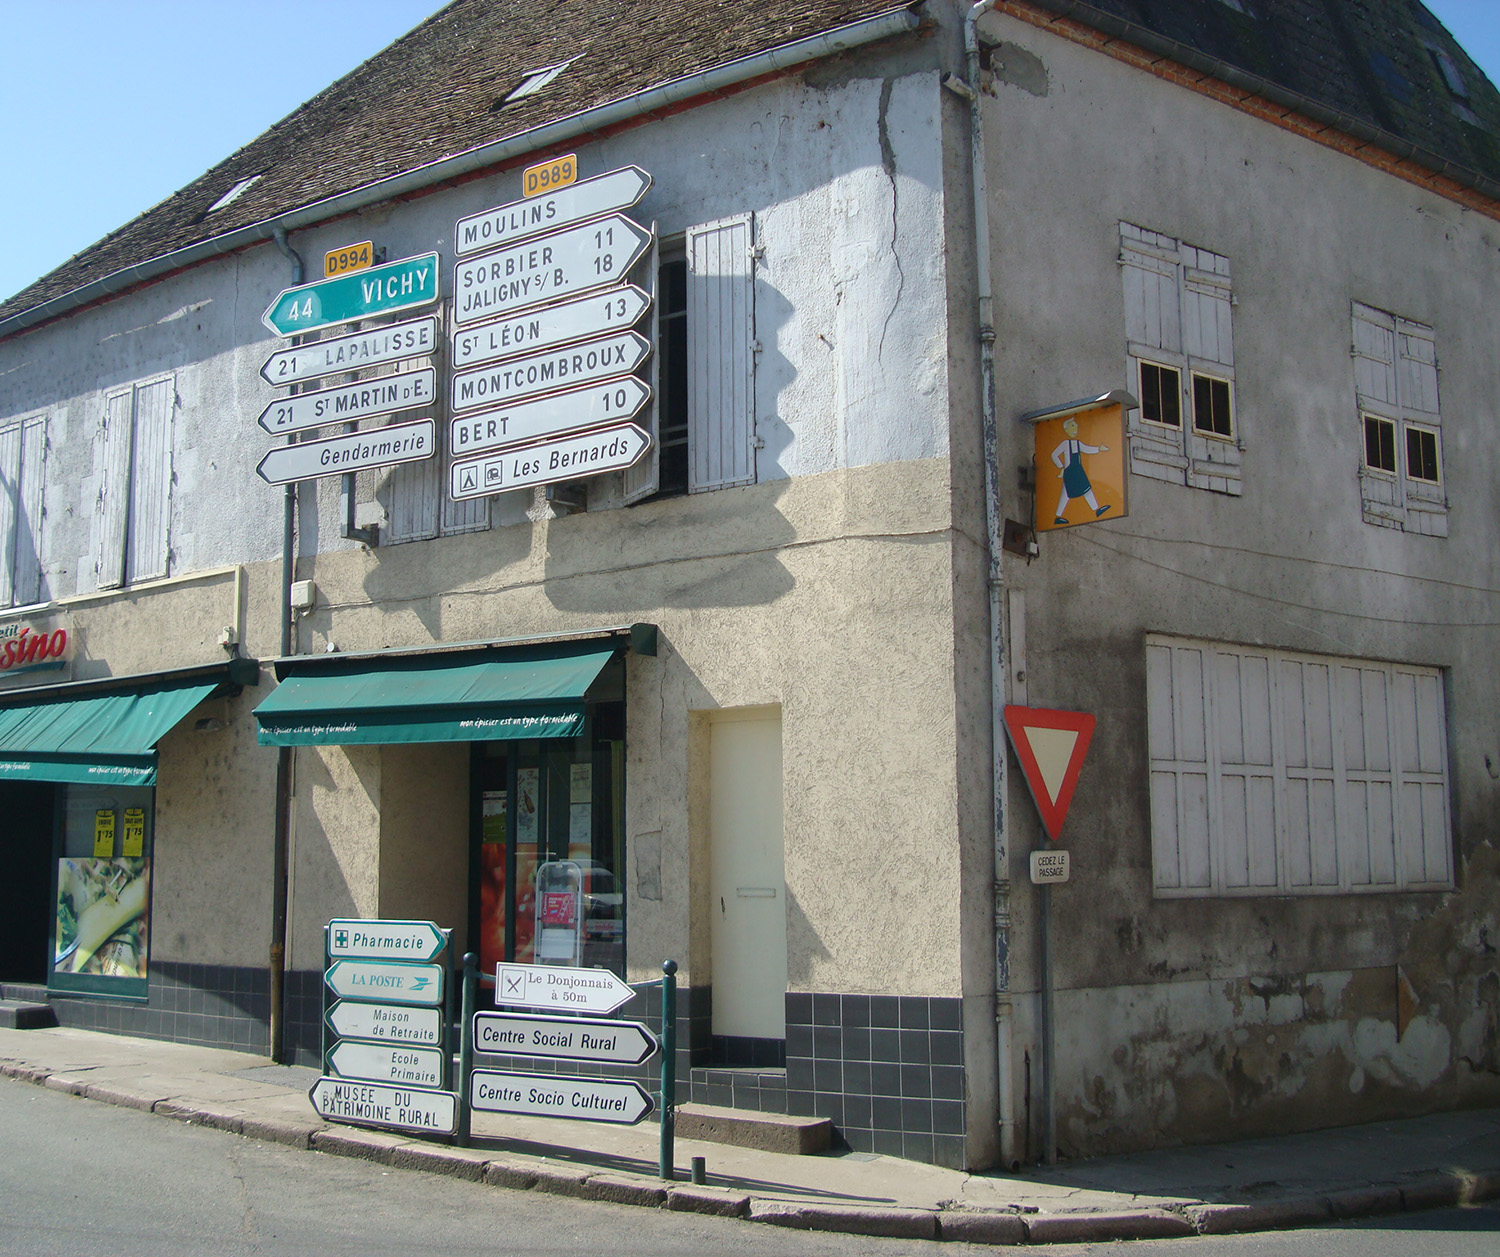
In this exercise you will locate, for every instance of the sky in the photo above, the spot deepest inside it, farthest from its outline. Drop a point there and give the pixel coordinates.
(115, 104)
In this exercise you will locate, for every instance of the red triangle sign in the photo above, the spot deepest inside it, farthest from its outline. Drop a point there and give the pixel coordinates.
(1051, 746)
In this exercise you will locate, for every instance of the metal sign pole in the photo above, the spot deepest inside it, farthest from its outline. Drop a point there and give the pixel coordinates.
(1049, 1097)
(665, 1167)
(466, 1045)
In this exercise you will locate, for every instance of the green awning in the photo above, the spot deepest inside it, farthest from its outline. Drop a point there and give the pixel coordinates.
(107, 738)
(534, 693)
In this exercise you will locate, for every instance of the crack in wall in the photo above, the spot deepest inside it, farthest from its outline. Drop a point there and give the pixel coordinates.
(888, 164)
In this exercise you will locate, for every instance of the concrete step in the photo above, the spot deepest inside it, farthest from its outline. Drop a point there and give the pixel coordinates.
(24, 1015)
(768, 1132)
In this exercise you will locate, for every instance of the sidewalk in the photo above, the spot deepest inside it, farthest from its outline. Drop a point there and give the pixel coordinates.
(1294, 1180)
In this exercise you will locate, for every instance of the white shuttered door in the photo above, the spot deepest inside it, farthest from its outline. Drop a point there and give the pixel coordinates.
(721, 357)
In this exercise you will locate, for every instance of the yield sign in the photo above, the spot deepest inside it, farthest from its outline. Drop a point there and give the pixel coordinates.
(1051, 746)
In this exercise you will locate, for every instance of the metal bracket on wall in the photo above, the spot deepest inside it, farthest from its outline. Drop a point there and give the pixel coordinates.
(1020, 539)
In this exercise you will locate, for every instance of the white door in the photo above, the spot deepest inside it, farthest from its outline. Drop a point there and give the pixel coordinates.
(748, 877)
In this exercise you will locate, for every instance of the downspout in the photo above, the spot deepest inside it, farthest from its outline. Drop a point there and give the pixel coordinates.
(281, 843)
(1009, 1143)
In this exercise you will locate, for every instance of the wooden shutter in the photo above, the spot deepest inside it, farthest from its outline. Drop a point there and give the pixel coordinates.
(1242, 709)
(1425, 851)
(151, 481)
(721, 357)
(1177, 722)
(26, 555)
(1208, 342)
(11, 512)
(112, 503)
(643, 478)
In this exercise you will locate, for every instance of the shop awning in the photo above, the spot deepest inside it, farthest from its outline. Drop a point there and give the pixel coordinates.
(531, 693)
(108, 738)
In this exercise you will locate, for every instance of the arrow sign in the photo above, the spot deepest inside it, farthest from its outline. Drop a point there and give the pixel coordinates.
(351, 353)
(584, 363)
(579, 259)
(557, 988)
(378, 1104)
(382, 1062)
(575, 319)
(1051, 746)
(570, 410)
(571, 458)
(401, 391)
(384, 940)
(394, 443)
(506, 224)
(547, 1095)
(563, 1038)
(386, 1023)
(401, 285)
(387, 981)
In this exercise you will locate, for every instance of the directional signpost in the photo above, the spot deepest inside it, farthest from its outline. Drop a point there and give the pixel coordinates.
(564, 1038)
(406, 284)
(584, 363)
(394, 982)
(412, 339)
(578, 259)
(381, 1062)
(394, 443)
(607, 449)
(546, 1095)
(557, 414)
(557, 988)
(376, 1104)
(358, 939)
(505, 224)
(575, 319)
(300, 411)
(384, 1023)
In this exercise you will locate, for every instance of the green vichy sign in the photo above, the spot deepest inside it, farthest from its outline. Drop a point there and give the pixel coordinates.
(395, 286)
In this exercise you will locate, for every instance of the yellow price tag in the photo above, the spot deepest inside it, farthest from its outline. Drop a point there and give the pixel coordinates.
(352, 257)
(548, 176)
(135, 832)
(104, 834)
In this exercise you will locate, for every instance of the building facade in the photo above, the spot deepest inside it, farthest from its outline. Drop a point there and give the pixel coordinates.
(747, 689)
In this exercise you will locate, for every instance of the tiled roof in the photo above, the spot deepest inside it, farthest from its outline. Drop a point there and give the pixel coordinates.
(1375, 62)
(437, 91)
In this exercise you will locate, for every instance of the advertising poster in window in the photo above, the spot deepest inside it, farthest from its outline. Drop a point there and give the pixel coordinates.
(102, 928)
(1080, 469)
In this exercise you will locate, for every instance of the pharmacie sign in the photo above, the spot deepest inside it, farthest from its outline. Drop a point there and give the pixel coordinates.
(36, 649)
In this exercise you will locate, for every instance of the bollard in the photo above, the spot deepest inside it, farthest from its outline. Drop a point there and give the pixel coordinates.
(700, 1171)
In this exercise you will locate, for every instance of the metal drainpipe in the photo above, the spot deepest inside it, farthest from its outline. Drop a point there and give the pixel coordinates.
(281, 844)
(999, 768)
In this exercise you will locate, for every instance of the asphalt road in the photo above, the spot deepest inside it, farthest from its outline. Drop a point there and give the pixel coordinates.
(80, 1177)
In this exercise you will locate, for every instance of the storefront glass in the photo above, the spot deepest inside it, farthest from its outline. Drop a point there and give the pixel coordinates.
(102, 890)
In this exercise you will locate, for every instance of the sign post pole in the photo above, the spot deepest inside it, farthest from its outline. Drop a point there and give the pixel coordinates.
(466, 1045)
(665, 1167)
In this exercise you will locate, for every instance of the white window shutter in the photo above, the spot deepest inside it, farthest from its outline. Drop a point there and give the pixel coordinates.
(1181, 775)
(1153, 318)
(721, 358)
(415, 493)
(27, 553)
(1416, 382)
(643, 477)
(11, 512)
(1375, 359)
(114, 490)
(151, 481)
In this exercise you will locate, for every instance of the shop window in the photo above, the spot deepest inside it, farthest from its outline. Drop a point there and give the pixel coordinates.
(1179, 339)
(1282, 773)
(102, 890)
(550, 847)
(703, 424)
(1396, 392)
(132, 512)
(23, 454)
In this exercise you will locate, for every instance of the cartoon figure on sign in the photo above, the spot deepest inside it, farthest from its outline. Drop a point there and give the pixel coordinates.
(1068, 459)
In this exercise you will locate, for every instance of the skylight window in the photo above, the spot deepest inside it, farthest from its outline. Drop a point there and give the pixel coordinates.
(233, 194)
(1452, 76)
(535, 80)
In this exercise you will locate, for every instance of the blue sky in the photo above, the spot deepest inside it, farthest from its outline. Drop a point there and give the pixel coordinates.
(112, 105)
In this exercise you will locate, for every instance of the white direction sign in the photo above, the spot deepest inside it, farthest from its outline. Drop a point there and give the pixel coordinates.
(570, 410)
(557, 988)
(413, 339)
(563, 1038)
(379, 1104)
(402, 391)
(547, 1095)
(360, 939)
(386, 981)
(575, 260)
(569, 458)
(394, 443)
(384, 1062)
(387, 1023)
(505, 224)
(575, 319)
(583, 363)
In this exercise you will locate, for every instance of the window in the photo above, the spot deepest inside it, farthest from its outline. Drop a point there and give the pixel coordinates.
(132, 513)
(1282, 773)
(23, 453)
(1178, 334)
(1396, 393)
(704, 421)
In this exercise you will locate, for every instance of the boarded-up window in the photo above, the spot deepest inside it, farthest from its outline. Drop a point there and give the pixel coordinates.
(1281, 773)
(1180, 343)
(23, 452)
(1396, 394)
(132, 513)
